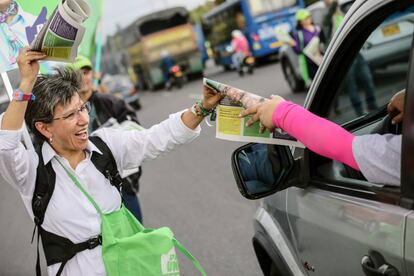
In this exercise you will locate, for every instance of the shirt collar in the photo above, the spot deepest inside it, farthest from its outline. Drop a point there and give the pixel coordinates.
(48, 152)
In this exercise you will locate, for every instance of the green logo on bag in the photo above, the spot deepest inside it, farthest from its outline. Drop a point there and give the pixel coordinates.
(169, 264)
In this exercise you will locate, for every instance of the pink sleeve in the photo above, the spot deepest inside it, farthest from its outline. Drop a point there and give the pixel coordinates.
(317, 134)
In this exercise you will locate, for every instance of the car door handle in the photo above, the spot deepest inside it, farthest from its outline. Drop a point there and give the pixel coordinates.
(374, 264)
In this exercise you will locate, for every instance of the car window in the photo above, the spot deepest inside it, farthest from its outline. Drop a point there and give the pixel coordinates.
(378, 71)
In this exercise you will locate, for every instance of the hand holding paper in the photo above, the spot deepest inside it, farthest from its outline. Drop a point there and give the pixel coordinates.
(29, 68)
(246, 128)
(263, 112)
(312, 51)
(61, 35)
(235, 95)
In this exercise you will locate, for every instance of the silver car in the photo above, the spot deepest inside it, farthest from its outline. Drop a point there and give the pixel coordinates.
(317, 216)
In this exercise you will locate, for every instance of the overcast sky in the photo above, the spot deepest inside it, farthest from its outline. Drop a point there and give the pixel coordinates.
(123, 12)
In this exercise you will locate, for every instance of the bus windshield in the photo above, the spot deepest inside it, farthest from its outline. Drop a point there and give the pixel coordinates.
(259, 7)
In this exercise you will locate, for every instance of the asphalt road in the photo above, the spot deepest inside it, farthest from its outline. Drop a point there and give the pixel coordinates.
(191, 190)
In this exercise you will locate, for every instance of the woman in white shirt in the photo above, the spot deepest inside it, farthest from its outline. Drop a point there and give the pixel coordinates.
(59, 117)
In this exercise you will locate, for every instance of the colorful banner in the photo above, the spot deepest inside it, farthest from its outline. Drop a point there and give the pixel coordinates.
(21, 21)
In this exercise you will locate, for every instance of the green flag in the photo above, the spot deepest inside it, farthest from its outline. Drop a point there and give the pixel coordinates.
(87, 47)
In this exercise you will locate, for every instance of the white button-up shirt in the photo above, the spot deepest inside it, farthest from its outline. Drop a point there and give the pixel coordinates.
(69, 213)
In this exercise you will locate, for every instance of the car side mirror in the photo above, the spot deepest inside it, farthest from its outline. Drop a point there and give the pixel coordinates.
(261, 170)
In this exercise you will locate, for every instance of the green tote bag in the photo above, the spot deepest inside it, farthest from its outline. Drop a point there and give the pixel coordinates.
(130, 249)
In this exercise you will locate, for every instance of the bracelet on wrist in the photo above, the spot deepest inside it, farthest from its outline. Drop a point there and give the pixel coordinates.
(19, 95)
(199, 110)
(203, 110)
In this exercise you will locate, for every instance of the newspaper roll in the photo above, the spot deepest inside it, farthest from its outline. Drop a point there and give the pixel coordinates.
(230, 126)
(62, 34)
(236, 95)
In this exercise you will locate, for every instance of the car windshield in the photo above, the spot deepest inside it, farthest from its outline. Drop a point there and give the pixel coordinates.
(259, 7)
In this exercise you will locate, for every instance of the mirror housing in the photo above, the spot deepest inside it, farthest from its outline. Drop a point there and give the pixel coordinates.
(261, 170)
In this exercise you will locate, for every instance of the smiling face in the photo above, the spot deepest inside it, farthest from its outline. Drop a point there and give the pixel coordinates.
(69, 129)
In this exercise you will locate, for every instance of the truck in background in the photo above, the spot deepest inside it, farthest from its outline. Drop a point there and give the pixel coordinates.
(167, 30)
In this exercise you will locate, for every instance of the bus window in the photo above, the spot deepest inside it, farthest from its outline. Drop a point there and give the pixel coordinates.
(266, 6)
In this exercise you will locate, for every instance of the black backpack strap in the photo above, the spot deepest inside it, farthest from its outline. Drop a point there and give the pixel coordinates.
(45, 185)
(59, 249)
(105, 163)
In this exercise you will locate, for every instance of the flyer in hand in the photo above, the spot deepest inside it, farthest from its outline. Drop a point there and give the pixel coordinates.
(313, 52)
(231, 127)
(61, 35)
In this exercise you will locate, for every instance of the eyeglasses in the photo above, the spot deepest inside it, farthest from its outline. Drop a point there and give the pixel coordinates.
(85, 109)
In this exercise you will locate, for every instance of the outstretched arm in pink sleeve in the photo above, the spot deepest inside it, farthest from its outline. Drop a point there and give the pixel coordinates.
(317, 134)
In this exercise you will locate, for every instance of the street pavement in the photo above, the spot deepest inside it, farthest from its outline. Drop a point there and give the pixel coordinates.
(191, 190)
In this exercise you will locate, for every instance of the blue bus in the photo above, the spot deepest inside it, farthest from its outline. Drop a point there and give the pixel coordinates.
(257, 19)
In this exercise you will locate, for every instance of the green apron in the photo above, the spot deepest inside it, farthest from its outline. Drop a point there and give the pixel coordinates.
(128, 248)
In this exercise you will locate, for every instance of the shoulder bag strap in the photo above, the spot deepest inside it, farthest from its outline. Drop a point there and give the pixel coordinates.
(77, 183)
(189, 256)
(105, 163)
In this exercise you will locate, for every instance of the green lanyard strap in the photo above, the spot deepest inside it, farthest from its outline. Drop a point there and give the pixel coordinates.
(77, 183)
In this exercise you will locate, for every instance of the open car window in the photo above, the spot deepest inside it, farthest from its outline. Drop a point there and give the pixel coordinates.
(378, 71)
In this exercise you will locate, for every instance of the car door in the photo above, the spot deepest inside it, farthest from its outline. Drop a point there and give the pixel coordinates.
(341, 220)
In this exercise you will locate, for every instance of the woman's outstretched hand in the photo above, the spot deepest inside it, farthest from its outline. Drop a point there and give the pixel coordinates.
(263, 112)
(211, 98)
(29, 67)
(396, 107)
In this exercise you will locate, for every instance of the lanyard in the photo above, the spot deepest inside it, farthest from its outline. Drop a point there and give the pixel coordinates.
(77, 183)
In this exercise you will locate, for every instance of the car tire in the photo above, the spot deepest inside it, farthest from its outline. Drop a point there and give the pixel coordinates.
(295, 84)
(270, 261)
(227, 68)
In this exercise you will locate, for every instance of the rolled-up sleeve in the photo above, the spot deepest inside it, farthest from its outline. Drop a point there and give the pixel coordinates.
(131, 148)
(379, 157)
(17, 164)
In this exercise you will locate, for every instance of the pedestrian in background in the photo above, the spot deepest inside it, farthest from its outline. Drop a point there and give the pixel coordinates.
(240, 47)
(359, 74)
(306, 31)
